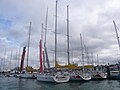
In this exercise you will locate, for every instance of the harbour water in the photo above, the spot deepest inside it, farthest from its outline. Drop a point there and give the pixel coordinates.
(12, 83)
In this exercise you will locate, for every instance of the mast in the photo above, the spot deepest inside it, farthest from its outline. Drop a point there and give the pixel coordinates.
(88, 60)
(56, 33)
(82, 51)
(18, 57)
(92, 63)
(97, 59)
(87, 54)
(1, 63)
(43, 51)
(45, 48)
(46, 56)
(116, 33)
(10, 59)
(46, 26)
(28, 43)
(4, 59)
(68, 34)
(44, 67)
(42, 32)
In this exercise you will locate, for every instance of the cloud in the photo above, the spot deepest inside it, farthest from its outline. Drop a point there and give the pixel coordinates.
(93, 19)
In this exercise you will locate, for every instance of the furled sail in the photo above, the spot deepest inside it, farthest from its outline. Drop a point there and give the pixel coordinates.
(41, 63)
(46, 55)
(22, 59)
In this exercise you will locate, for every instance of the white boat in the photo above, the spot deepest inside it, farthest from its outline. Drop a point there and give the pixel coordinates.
(28, 72)
(45, 77)
(27, 76)
(61, 77)
(52, 77)
(84, 76)
(75, 77)
(99, 75)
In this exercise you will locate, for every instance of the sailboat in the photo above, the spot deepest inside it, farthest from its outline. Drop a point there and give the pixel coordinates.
(28, 74)
(98, 72)
(114, 74)
(79, 75)
(118, 76)
(58, 77)
(76, 74)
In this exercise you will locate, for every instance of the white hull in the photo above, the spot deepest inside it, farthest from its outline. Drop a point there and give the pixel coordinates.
(80, 77)
(61, 78)
(27, 76)
(86, 76)
(53, 78)
(99, 75)
(45, 78)
(75, 78)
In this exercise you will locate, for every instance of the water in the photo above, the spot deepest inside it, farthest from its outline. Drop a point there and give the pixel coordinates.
(11, 83)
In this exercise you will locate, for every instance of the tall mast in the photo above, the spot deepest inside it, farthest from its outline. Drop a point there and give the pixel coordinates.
(46, 25)
(45, 48)
(68, 34)
(82, 51)
(116, 33)
(28, 43)
(56, 33)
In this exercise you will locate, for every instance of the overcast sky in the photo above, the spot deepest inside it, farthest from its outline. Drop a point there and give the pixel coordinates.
(92, 18)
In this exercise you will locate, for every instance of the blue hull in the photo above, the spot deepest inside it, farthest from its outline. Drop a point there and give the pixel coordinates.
(118, 77)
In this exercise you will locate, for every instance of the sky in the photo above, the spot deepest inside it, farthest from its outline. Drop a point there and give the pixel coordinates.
(92, 18)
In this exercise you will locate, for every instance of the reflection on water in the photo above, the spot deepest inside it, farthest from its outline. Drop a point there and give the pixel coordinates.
(27, 84)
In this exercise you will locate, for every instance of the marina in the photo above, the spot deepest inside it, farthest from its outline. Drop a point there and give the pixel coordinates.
(28, 84)
(72, 50)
